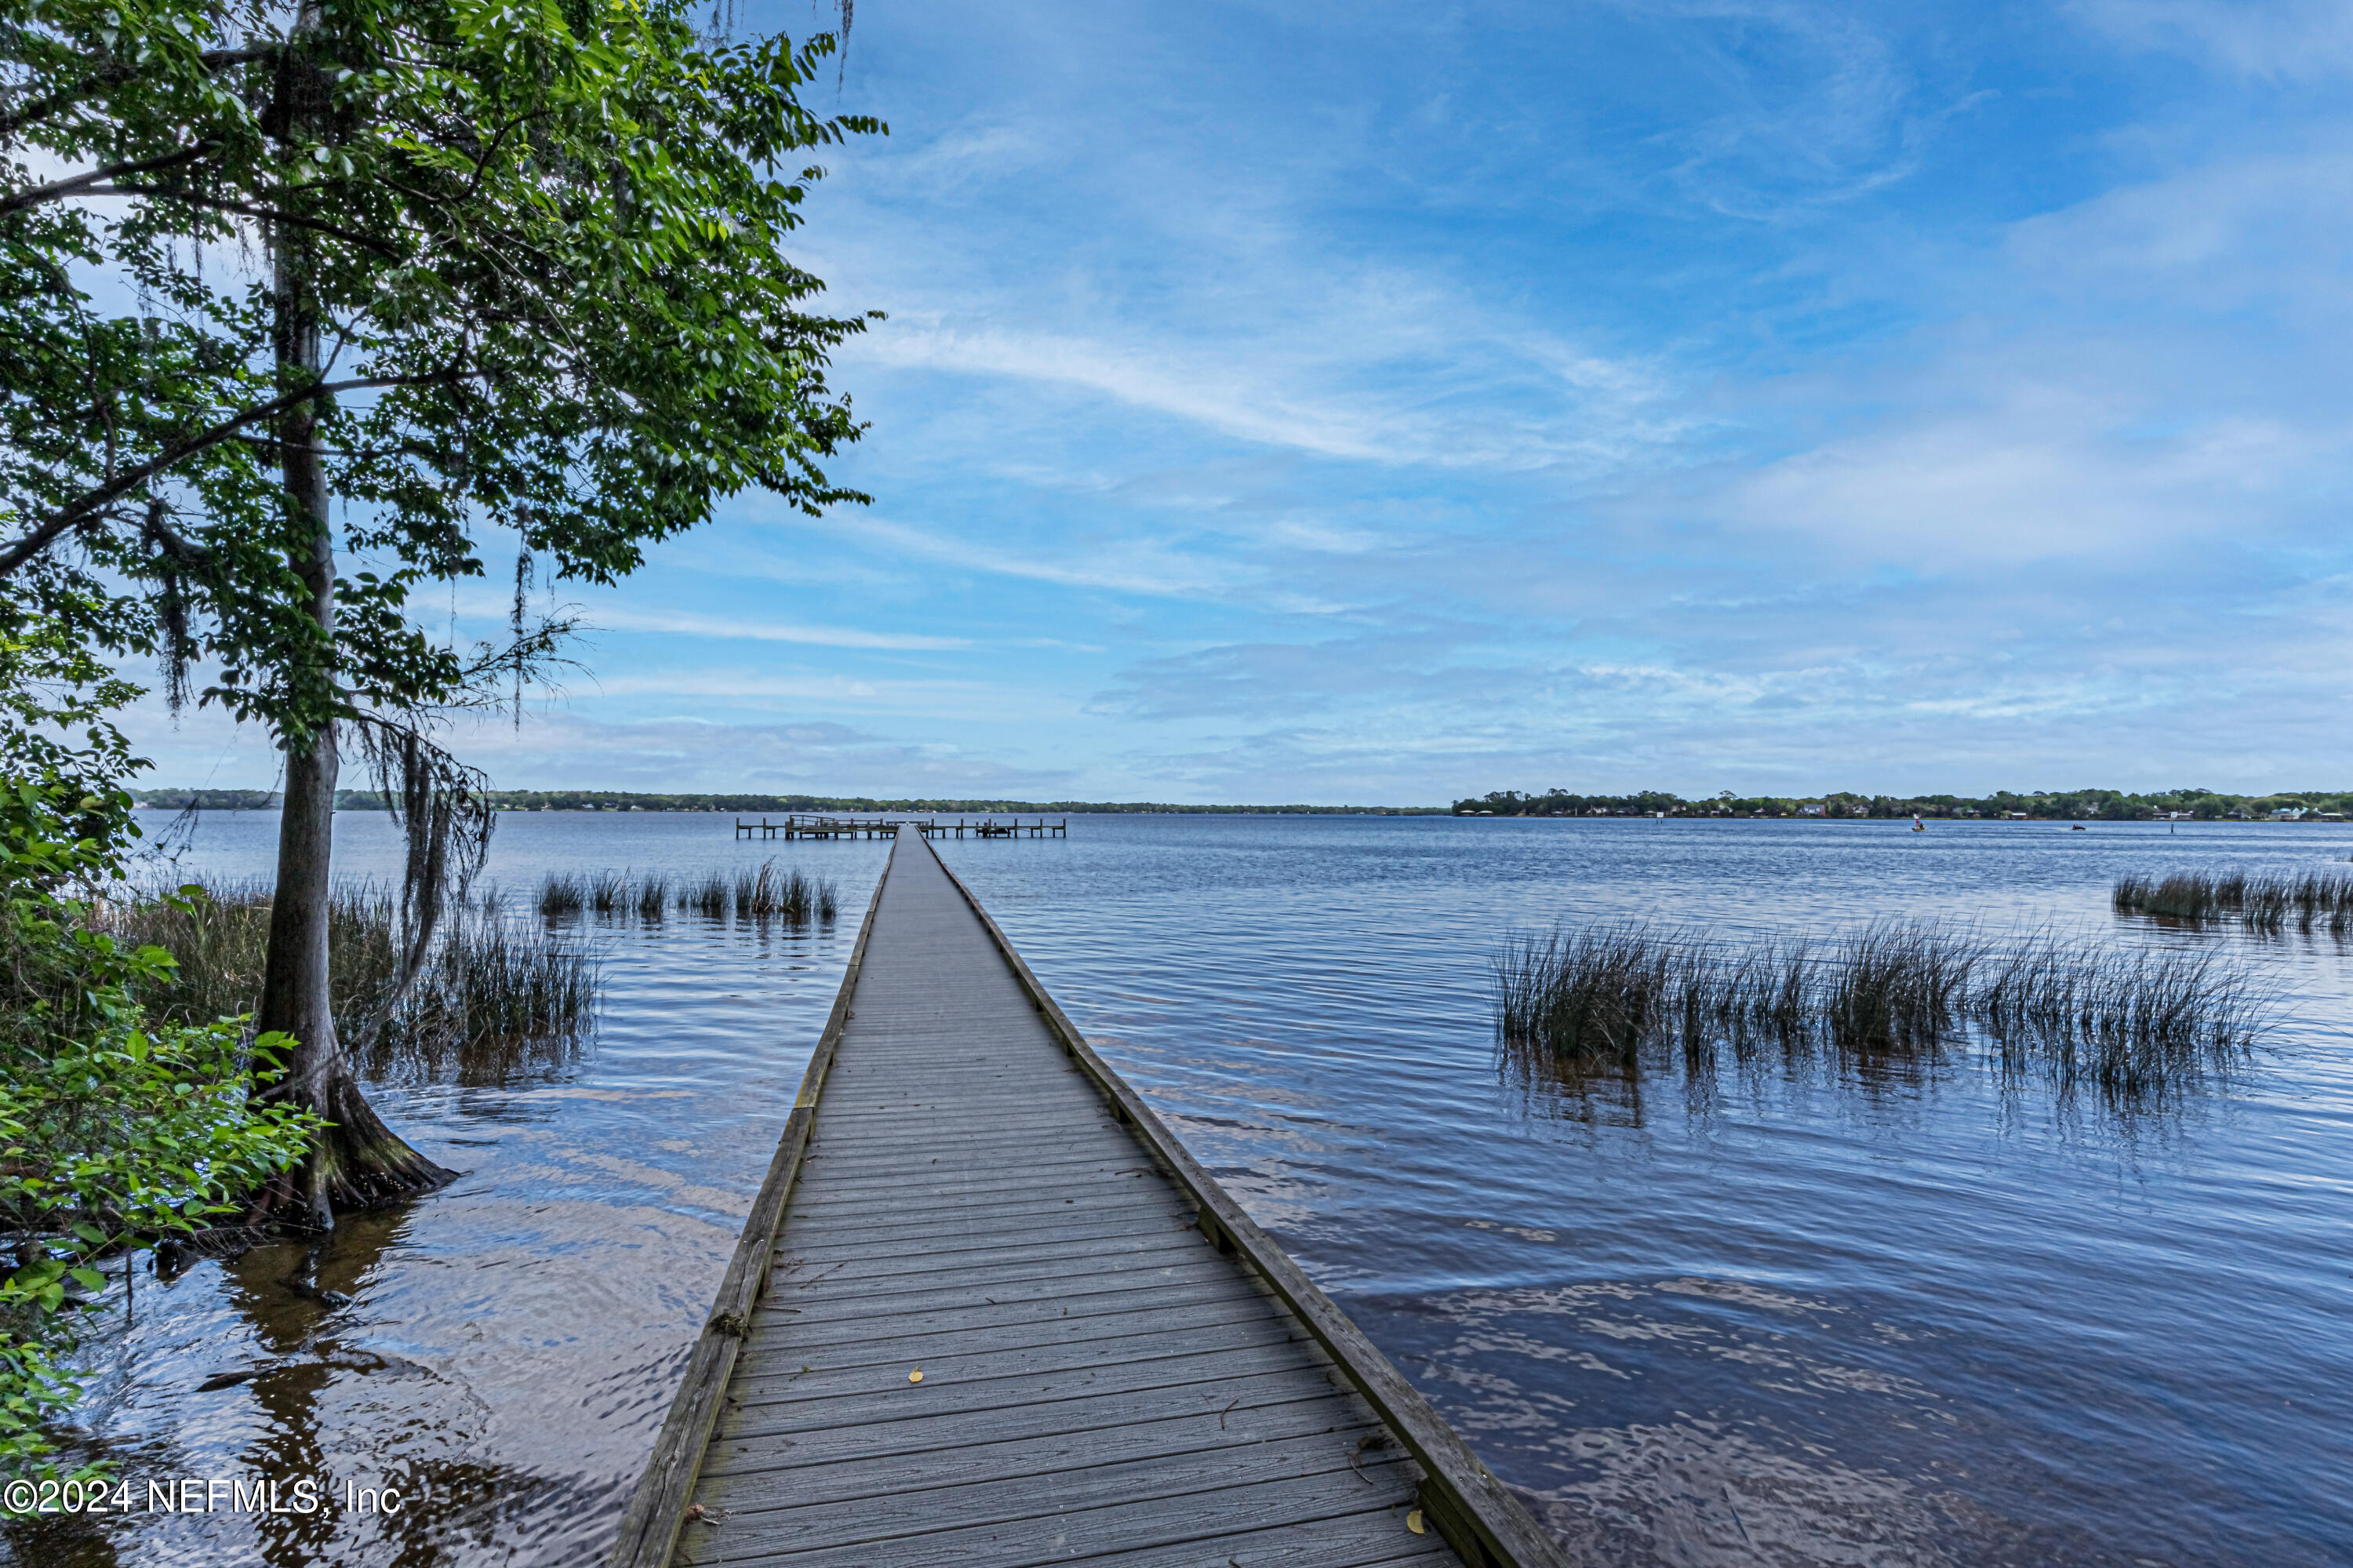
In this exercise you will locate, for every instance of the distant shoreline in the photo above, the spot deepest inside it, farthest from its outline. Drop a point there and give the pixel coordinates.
(780, 805)
(524, 801)
(2041, 805)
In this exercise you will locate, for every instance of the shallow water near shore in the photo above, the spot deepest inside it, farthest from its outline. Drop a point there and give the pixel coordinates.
(1796, 1316)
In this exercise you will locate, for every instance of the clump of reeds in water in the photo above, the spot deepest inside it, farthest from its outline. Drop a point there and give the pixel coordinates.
(561, 896)
(709, 896)
(651, 900)
(758, 896)
(493, 1005)
(2139, 1025)
(2314, 899)
(789, 897)
(490, 1002)
(608, 891)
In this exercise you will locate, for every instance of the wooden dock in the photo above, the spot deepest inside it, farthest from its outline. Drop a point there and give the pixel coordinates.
(987, 1311)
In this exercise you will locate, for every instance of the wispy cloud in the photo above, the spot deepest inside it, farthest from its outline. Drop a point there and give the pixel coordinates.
(559, 750)
(2297, 40)
(1141, 565)
(1369, 389)
(687, 623)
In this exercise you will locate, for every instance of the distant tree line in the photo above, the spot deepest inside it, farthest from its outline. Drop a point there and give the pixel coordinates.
(2060, 805)
(622, 801)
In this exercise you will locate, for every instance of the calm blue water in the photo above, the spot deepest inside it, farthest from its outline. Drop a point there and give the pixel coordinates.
(1785, 1316)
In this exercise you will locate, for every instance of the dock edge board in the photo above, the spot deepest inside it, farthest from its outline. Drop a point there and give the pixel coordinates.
(665, 1487)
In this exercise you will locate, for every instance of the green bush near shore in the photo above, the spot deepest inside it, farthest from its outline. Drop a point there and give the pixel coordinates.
(117, 1128)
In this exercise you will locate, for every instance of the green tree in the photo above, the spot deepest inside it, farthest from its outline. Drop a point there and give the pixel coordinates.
(113, 1131)
(447, 265)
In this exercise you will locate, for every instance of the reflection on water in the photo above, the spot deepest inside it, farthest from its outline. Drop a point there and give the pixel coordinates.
(1817, 1312)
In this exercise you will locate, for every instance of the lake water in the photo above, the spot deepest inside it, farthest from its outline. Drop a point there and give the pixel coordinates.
(1790, 1316)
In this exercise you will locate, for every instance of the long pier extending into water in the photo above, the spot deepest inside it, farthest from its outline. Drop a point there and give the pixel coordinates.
(987, 1311)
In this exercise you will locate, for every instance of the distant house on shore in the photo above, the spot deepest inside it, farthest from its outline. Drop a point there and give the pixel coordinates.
(1813, 808)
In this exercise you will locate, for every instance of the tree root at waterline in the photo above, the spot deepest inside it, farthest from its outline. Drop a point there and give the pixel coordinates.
(355, 1162)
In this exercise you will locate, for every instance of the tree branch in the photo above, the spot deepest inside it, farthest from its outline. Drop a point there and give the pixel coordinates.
(177, 544)
(113, 73)
(90, 503)
(80, 183)
(247, 210)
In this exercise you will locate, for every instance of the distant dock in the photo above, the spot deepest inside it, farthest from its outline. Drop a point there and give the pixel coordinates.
(987, 1312)
(889, 828)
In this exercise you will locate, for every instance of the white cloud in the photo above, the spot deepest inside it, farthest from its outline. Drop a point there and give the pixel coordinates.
(1136, 565)
(1570, 407)
(685, 623)
(2265, 231)
(2041, 469)
(2294, 40)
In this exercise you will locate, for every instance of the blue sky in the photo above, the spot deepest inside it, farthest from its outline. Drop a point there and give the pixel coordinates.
(1379, 403)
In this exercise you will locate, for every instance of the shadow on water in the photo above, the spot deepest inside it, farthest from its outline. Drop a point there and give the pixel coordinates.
(293, 1296)
(304, 1375)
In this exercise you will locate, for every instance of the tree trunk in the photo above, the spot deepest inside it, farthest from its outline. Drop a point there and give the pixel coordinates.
(355, 1160)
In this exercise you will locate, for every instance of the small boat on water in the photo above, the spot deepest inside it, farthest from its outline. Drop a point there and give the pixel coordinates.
(1918, 826)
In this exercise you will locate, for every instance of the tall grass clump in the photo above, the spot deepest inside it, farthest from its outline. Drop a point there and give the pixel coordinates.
(561, 896)
(1897, 987)
(2138, 1024)
(652, 897)
(755, 896)
(493, 1005)
(608, 891)
(2314, 899)
(1590, 998)
(789, 897)
(708, 896)
(489, 1002)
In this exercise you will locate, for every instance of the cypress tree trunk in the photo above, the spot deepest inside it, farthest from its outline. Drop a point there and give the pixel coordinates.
(356, 1159)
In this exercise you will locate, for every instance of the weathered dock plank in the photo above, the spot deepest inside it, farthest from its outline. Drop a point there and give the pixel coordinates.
(989, 1313)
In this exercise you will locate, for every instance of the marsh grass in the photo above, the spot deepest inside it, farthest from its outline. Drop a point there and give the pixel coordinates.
(708, 896)
(492, 1003)
(652, 898)
(2313, 900)
(609, 891)
(2139, 1026)
(757, 896)
(561, 896)
(789, 897)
